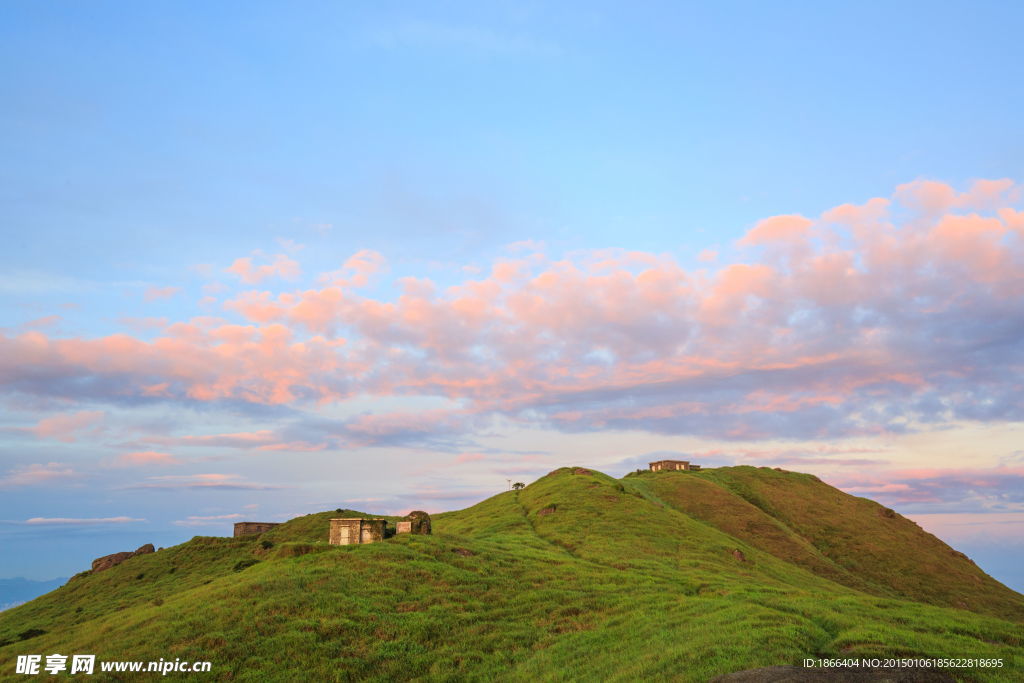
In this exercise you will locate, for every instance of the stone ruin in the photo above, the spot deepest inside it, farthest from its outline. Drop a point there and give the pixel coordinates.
(416, 522)
(107, 561)
(252, 528)
(356, 530)
(680, 465)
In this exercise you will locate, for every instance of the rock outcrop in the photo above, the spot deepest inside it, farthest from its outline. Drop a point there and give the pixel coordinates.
(108, 561)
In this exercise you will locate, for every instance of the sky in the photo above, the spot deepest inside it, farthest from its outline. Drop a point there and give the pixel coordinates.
(260, 261)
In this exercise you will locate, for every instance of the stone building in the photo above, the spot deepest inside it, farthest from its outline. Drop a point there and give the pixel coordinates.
(416, 522)
(353, 531)
(250, 528)
(665, 465)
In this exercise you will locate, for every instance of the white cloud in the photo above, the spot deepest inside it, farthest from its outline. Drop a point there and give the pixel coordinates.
(210, 520)
(83, 520)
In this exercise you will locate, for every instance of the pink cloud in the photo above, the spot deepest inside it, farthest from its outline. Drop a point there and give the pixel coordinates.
(990, 489)
(707, 256)
(926, 196)
(777, 229)
(930, 197)
(859, 322)
(282, 266)
(142, 324)
(42, 323)
(35, 474)
(201, 481)
(294, 446)
(260, 440)
(148, 458)
(67, 427)
(154, 293)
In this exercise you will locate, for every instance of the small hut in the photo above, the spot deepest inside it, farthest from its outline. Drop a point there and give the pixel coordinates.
(353, 531)
(416, 522)
(667, 465)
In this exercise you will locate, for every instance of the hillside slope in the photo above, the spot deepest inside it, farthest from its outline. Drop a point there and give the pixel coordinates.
(851, 540)
(577, 577)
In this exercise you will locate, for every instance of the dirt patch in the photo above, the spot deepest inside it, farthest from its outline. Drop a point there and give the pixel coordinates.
(580, 470)
(738, 554)
(465, 552)
(408, 607)
(546, 511)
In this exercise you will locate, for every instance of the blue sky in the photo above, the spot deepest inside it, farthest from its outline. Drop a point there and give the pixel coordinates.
(261, 261)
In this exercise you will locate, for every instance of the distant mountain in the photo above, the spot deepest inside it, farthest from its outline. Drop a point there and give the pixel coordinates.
(579, 576)
(15, 591)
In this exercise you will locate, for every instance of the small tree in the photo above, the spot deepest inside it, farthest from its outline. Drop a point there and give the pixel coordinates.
(518, 485)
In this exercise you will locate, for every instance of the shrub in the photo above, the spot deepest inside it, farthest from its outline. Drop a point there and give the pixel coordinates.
(30, 633)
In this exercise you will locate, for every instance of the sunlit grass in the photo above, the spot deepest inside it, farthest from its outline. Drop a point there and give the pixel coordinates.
(576, 577)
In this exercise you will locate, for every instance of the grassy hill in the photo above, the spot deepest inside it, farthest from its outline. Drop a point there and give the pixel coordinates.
(579, 576)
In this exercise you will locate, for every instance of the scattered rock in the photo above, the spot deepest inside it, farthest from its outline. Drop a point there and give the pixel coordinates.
(580, 470)
(738, 554)
(465, 552)
(786, 674)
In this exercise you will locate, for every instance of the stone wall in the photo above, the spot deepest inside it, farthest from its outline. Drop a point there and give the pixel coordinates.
(419, 522)
(666, 465)
(250, 528)
(353, 531)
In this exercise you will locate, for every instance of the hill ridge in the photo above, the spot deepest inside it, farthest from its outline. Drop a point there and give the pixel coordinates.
(639, 573)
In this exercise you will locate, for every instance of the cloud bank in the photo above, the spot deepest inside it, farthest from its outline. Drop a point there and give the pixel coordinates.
(883, 317)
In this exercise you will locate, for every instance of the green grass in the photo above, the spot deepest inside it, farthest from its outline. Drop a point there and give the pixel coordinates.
(577, 577)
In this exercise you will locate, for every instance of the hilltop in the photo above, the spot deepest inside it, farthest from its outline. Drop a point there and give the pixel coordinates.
(579, 576)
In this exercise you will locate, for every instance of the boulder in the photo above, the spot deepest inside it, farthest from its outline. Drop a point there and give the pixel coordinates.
(108, 561)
